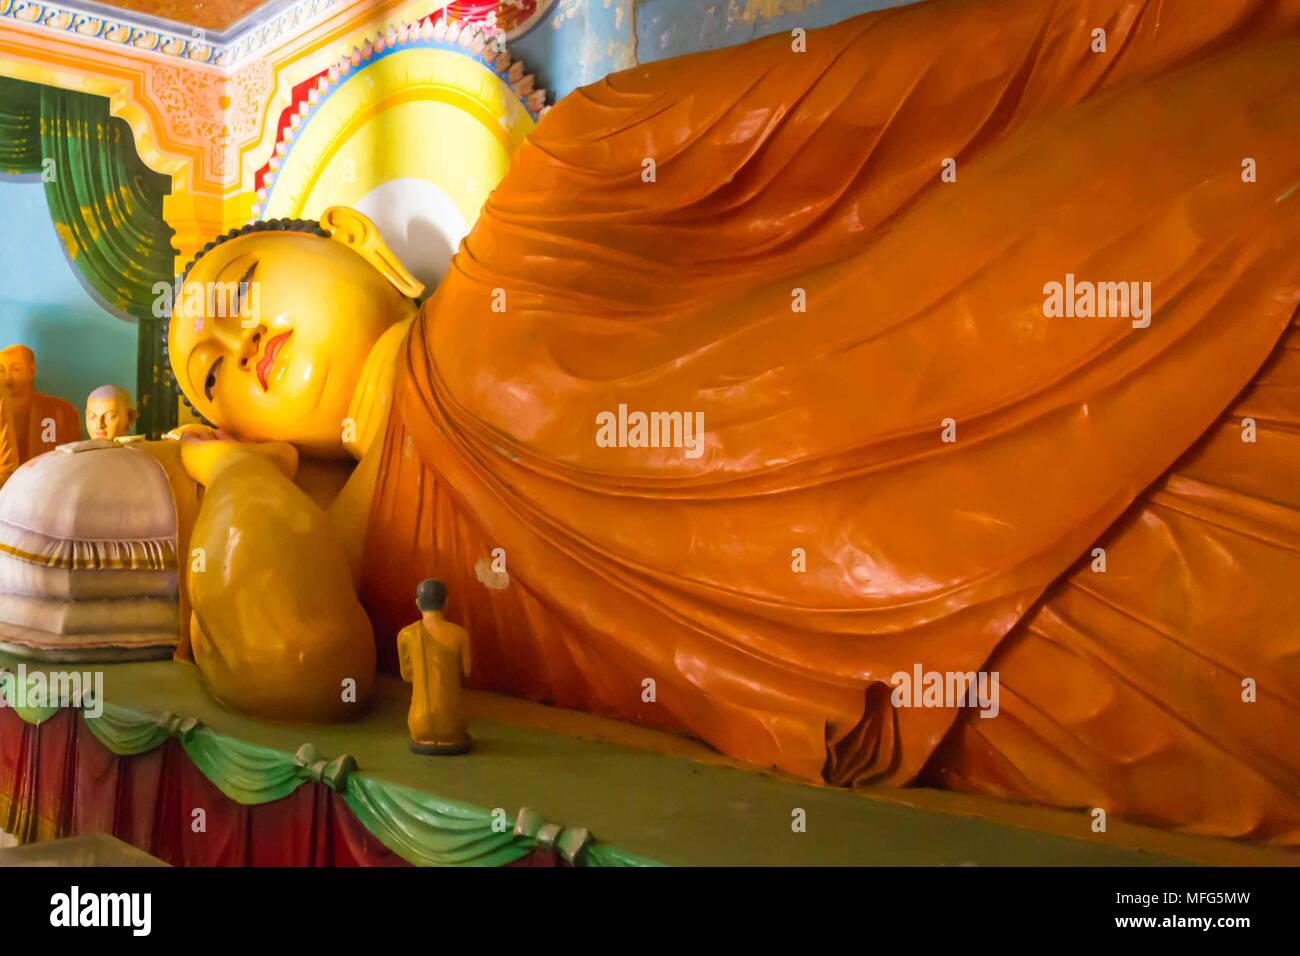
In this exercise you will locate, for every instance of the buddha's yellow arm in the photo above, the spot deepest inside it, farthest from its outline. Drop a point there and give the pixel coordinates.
(368, 419)
(277, 629)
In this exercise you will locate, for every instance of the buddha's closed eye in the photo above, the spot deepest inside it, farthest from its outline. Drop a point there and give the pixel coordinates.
(210, 383)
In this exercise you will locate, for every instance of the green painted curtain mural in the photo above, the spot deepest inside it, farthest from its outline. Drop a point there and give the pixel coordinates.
(107, 208)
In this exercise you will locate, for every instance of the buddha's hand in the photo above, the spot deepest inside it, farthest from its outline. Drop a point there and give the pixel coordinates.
(207, 451)
(194, 430)
(281, 633)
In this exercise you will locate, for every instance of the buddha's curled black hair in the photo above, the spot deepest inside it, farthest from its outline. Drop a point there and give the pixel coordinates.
(310, 227)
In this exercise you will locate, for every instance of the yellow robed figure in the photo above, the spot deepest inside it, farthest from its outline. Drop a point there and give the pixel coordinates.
(434, 656)
(906, 460)
(31, 422)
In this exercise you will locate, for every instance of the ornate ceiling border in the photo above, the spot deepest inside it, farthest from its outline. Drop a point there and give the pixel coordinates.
(257, 35)
(134, 32)
(263, 32)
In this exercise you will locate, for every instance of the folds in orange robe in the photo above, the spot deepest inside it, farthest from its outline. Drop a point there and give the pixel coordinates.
(1167, 689)
(783, 179)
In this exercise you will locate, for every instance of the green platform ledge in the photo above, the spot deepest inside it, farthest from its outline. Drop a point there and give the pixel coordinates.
(421, 828)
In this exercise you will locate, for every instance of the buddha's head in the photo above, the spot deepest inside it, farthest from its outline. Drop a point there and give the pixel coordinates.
(17, 371)
(109, 412)
(273, 323)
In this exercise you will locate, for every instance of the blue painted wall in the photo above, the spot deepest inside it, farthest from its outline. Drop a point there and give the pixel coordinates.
(43, 305)
(667, 28)
(580, 41)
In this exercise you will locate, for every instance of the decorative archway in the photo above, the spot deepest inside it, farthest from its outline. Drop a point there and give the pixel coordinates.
(415, 129)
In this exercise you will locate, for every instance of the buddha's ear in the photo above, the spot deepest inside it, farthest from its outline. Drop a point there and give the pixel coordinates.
(362, 236)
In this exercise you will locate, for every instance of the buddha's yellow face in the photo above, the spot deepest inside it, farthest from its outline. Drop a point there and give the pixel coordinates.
(271, 331)
(109, 417)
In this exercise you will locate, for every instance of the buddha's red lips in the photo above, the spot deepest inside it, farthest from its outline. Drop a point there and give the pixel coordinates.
(268, 357)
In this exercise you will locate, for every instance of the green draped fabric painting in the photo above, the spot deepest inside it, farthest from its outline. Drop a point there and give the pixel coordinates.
(107, 209)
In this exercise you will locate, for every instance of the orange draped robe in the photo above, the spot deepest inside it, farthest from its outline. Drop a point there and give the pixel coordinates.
(784, 179)
(23, 437)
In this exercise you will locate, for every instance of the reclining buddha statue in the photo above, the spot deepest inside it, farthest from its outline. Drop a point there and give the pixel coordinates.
(752, 389)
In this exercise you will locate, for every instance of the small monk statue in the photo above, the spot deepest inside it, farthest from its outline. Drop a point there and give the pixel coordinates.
(110, 413)
(40, 422)
(434, 656)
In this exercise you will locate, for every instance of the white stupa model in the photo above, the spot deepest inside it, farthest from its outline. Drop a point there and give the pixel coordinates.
(88, 556)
